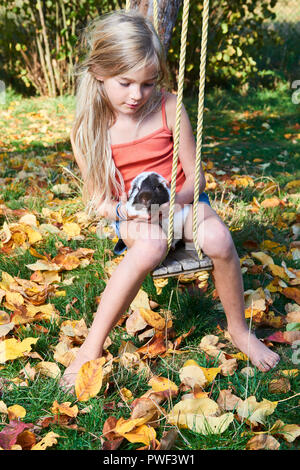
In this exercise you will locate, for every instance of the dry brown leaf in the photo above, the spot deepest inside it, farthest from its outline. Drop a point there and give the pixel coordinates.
(26, 440)
(280, 385)
(227, 400)
(288, 431)
(228, 366)
(262, 442)
(135, 322)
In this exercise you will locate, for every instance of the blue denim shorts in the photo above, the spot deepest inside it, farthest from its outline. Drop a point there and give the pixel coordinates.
(120, 246)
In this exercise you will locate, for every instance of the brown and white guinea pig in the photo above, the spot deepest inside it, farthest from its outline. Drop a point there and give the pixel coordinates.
(148, 191)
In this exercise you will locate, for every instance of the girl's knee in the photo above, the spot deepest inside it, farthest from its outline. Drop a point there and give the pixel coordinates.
(151, 252)
(216, 240)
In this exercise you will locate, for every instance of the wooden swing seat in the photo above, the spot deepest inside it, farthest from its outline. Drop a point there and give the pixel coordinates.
(181, 261)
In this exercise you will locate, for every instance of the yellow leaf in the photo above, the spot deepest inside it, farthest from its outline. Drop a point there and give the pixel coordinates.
(124, 426)
(159, 384)
(16, 412)
(278, 271)
(71, 228)
(240, 356)
(11, 348)
(263, 258)
(48, 441)
(210, 373)
(153, 318)
(144, 433)
(292, 184)
(126, 394)
(65, 409)
(89, 379)
(290, 372)
(255, 300)
(14, 298)
(33, 235)
(60, 293)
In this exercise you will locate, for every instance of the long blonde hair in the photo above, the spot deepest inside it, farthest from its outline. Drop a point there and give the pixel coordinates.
(117, 42)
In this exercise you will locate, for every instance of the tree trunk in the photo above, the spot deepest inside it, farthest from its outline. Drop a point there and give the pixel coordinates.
(167, 15)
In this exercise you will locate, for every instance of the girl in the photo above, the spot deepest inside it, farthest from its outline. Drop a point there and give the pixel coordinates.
(124, 125)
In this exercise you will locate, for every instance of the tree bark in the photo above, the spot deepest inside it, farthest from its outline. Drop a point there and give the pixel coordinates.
(167, 15)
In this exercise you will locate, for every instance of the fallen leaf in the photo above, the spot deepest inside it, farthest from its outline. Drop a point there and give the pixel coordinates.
(47, 441)
(11, 349)
(9, 434)
(26, 440)
(135, 322)
(49, 369)
(65, 409)
(145, 434)
(16, 412)
(192, 375)
(227, 400)
(153, 318)
(288, 431)
(189, 409)
(280, 385)
(160, 384)
(262, 442)
(255, 412)
(89, 379)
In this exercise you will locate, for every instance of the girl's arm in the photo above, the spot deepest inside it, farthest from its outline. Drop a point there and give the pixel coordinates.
(187, 151)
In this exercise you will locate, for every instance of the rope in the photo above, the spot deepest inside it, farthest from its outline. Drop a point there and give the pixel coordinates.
(205, 18)
(185, 19)
(155, 15)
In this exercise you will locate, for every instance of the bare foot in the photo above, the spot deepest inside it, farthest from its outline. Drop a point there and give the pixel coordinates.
(68, 380)
(260, 355)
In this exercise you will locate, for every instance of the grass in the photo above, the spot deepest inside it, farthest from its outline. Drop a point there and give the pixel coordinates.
(256, 136)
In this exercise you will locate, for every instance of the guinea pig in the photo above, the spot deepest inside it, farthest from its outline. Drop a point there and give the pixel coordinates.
(148, 191)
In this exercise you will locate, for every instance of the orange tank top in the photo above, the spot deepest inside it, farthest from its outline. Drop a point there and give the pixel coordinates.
(153, 152)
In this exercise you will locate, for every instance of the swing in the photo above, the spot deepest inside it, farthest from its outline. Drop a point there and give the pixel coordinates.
(182, 261)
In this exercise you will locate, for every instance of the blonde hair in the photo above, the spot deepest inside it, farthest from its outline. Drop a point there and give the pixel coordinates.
(118, 42)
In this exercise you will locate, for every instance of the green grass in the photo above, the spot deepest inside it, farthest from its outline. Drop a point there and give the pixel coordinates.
(235, 134)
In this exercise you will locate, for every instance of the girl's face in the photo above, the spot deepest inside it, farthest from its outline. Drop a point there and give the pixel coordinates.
(129, 92)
